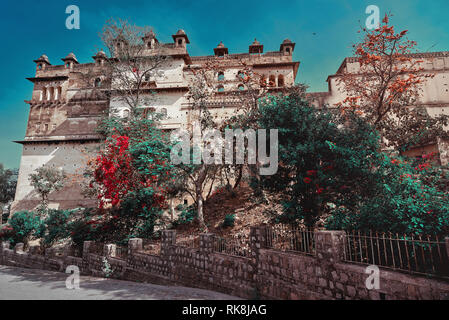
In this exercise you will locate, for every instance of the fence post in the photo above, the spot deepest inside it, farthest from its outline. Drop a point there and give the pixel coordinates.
(86, 248)
(168, 239)
(330, 245)
(18, 247)
(258, 239)
(110, 250)
(207, 242)
(135, 245)
(447, 245)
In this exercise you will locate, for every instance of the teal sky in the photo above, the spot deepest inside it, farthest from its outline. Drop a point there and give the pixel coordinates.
(323, 31)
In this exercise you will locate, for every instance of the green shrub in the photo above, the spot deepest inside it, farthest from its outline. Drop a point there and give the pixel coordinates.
(188, 214)
(24, 224)
(55, 227)
(229, 220)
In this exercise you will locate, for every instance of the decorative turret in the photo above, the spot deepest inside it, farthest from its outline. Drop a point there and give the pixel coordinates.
(70, 60)
(287, 47)
(150, 39)
(256, 47)
(180, 38)
(100, 57)
(119, 43)
(42, 62)
(220, 50)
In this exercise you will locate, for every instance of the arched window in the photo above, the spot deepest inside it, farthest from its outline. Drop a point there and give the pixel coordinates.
(272, 81)
(241, 75)
(220, 76)
(220, 89)
(39, 66)
(51, 93)
(241, 87)
(43, 94)
(164, 113)
(280, 80)
(126, 113)
(97, 82)
(147, 77)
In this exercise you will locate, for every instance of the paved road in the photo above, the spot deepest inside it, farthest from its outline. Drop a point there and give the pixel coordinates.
(31, 284)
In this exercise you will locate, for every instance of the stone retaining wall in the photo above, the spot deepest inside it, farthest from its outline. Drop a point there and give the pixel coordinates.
(266, 274)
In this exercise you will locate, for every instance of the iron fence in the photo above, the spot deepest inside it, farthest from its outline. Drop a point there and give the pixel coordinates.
(97, 248)
(192, 242)
(121, 252)
(151, 246)
(291, 238)
(238, 246)
(414, 254)
(75, 252)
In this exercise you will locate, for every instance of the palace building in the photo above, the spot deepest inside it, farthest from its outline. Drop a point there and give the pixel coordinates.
(70, 98)
(65, 107)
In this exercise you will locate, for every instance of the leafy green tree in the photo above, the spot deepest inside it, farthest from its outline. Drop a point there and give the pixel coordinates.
(405, 200)
(8, 183)
(325, 159)
(46, 180)
(24, 224)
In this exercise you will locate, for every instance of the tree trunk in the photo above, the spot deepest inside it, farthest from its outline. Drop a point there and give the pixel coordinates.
(172, 209)
(200, 216)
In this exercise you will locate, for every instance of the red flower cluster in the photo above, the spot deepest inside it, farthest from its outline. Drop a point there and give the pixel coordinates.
(116, 175)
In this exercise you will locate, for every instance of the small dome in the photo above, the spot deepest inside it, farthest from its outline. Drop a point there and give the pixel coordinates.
(101, 53)
(71, 55)
(221, 45)
(180, 32)
(150, 35)
(286, 41)
(256, 43)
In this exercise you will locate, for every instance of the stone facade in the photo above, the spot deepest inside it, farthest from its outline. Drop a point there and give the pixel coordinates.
(265, 274)
(65, 107)
(434, 93)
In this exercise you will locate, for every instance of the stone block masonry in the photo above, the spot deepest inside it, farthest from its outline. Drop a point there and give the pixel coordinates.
(265, 274)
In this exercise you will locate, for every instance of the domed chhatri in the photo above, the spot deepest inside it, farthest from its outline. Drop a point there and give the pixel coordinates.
(220, 50)
(180, 38)
(256, 47)
(70, 57)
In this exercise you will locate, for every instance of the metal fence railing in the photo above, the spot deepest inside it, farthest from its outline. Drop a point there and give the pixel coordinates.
(239, 246)
(415, 254)
(291, 238)
(191, 242)
(121, 252)
(151, 246)
(97, 248)
(75, 252)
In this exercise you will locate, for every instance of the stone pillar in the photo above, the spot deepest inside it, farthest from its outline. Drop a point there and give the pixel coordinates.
(5, 245)
(447, 245)
(18, 247)
(110, 250)
(207, 242)
(86, 247)
(168, 239)
(135, 245)
(330, 245)
(258, 237)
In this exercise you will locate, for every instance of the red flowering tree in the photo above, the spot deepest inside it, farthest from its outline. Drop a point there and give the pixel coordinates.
(385, 86)
(131, 177)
